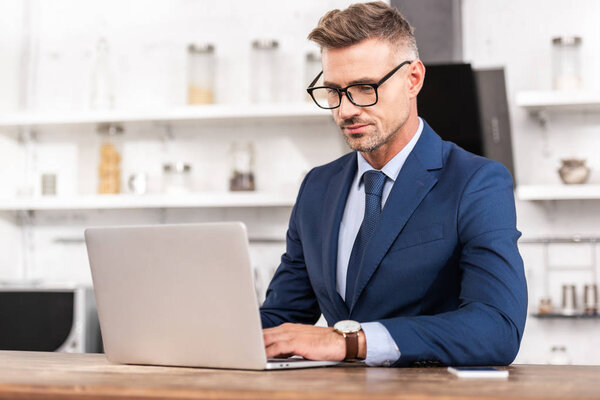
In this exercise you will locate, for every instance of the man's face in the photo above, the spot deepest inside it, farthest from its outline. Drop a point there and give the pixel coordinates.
(368, 128)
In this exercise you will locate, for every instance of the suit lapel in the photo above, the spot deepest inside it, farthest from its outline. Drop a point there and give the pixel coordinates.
(333, 210)
(412, 185)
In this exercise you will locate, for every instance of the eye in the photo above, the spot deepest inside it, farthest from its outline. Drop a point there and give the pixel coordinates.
(366, 89)
(331, 91)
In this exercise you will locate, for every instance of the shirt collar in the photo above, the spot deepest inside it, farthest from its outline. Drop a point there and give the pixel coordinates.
(393, 167)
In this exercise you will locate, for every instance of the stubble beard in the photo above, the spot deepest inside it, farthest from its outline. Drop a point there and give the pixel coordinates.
(374, 141)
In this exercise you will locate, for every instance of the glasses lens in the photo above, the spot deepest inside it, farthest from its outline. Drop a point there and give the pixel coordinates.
(363, 95)
(326, 97)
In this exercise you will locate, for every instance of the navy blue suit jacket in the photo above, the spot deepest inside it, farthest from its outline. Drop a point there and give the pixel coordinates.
(442, 271)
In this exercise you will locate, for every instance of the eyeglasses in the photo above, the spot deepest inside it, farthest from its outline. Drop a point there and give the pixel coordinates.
(359, 94)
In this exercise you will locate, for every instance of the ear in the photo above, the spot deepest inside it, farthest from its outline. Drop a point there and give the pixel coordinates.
(416, 78)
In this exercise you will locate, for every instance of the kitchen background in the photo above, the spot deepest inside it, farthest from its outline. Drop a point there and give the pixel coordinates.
(70, 70)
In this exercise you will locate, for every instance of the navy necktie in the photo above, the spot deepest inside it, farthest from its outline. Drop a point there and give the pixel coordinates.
(374, 181)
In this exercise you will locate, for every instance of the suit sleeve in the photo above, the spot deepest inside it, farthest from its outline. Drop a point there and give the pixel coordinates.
(487, 327)
(290, 297)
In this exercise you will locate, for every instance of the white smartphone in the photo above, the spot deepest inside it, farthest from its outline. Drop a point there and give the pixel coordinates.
(478, 372)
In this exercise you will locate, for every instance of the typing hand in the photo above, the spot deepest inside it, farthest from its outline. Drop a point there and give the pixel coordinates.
(309, 341)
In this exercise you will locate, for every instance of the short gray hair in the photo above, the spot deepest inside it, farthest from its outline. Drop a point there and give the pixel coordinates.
(361, 21)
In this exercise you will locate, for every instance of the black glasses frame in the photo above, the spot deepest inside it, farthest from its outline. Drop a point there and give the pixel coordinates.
(339, 91)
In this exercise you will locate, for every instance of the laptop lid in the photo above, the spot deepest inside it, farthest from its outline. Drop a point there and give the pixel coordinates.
(177, 295)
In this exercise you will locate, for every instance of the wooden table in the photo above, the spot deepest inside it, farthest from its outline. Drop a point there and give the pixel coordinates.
(30, 375)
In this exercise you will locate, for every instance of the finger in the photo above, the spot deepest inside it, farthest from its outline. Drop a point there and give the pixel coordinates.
(280, 349)
(283, 332)
(274, 337)
(293, 331)
(276, 330)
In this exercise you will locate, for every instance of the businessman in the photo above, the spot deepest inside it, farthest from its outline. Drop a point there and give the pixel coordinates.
(408, 244)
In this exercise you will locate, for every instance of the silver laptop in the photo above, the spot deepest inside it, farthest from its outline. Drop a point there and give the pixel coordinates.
(179, 295)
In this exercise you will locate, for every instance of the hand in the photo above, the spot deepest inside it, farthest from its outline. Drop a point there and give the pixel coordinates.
(309, 341)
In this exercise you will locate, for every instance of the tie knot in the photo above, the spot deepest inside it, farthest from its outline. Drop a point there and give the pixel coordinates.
(374, 181)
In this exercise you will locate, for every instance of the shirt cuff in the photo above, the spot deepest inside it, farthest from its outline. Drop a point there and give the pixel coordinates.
(381, 347)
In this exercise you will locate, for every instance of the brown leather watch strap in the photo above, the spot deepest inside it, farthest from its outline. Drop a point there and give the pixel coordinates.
(351, 345)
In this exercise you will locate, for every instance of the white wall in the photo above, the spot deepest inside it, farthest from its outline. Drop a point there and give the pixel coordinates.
(10, 46)
(517, 35)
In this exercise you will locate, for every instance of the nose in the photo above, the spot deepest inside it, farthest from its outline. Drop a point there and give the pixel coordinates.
(347, 110)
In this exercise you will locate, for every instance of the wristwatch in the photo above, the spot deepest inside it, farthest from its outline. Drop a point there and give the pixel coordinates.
(349, 330)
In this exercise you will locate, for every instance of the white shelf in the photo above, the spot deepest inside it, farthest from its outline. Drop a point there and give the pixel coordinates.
(554, 100)
(217, 113)
(196, 200)
(558, 192)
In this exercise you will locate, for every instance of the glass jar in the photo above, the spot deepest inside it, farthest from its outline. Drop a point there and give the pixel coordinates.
(242, 172)
(263, 71)
(312, 67)
(109, 167)
(566, 63)
(103, 80)
(201, 73)
(545, 306)
(177, 178)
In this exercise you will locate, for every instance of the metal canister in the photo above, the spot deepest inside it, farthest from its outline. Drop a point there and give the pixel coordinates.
(569, 300)
(590, 299)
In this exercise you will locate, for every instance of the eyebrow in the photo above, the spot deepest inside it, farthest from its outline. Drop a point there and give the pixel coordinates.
(354, 82)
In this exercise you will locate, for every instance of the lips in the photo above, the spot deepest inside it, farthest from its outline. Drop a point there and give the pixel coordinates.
(354, 129)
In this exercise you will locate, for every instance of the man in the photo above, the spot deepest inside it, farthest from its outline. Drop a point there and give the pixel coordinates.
(407, 246)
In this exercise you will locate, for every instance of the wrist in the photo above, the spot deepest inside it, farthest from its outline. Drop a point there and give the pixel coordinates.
(351, 332)
(362, 345)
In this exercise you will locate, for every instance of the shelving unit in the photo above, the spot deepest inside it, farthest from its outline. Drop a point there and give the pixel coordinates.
(558, 192)
(206, 113)
(107, 202)
(546, 242)
(554, 100)
(217, 113)
(539, 104)
(562, 316)
(25, 127)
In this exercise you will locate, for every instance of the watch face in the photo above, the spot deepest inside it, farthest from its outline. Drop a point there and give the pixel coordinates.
(347, 326)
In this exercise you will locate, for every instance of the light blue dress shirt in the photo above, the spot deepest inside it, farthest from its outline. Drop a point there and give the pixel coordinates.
(381, 347)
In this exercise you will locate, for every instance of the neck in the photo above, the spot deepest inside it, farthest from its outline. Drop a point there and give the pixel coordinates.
(378, 158)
